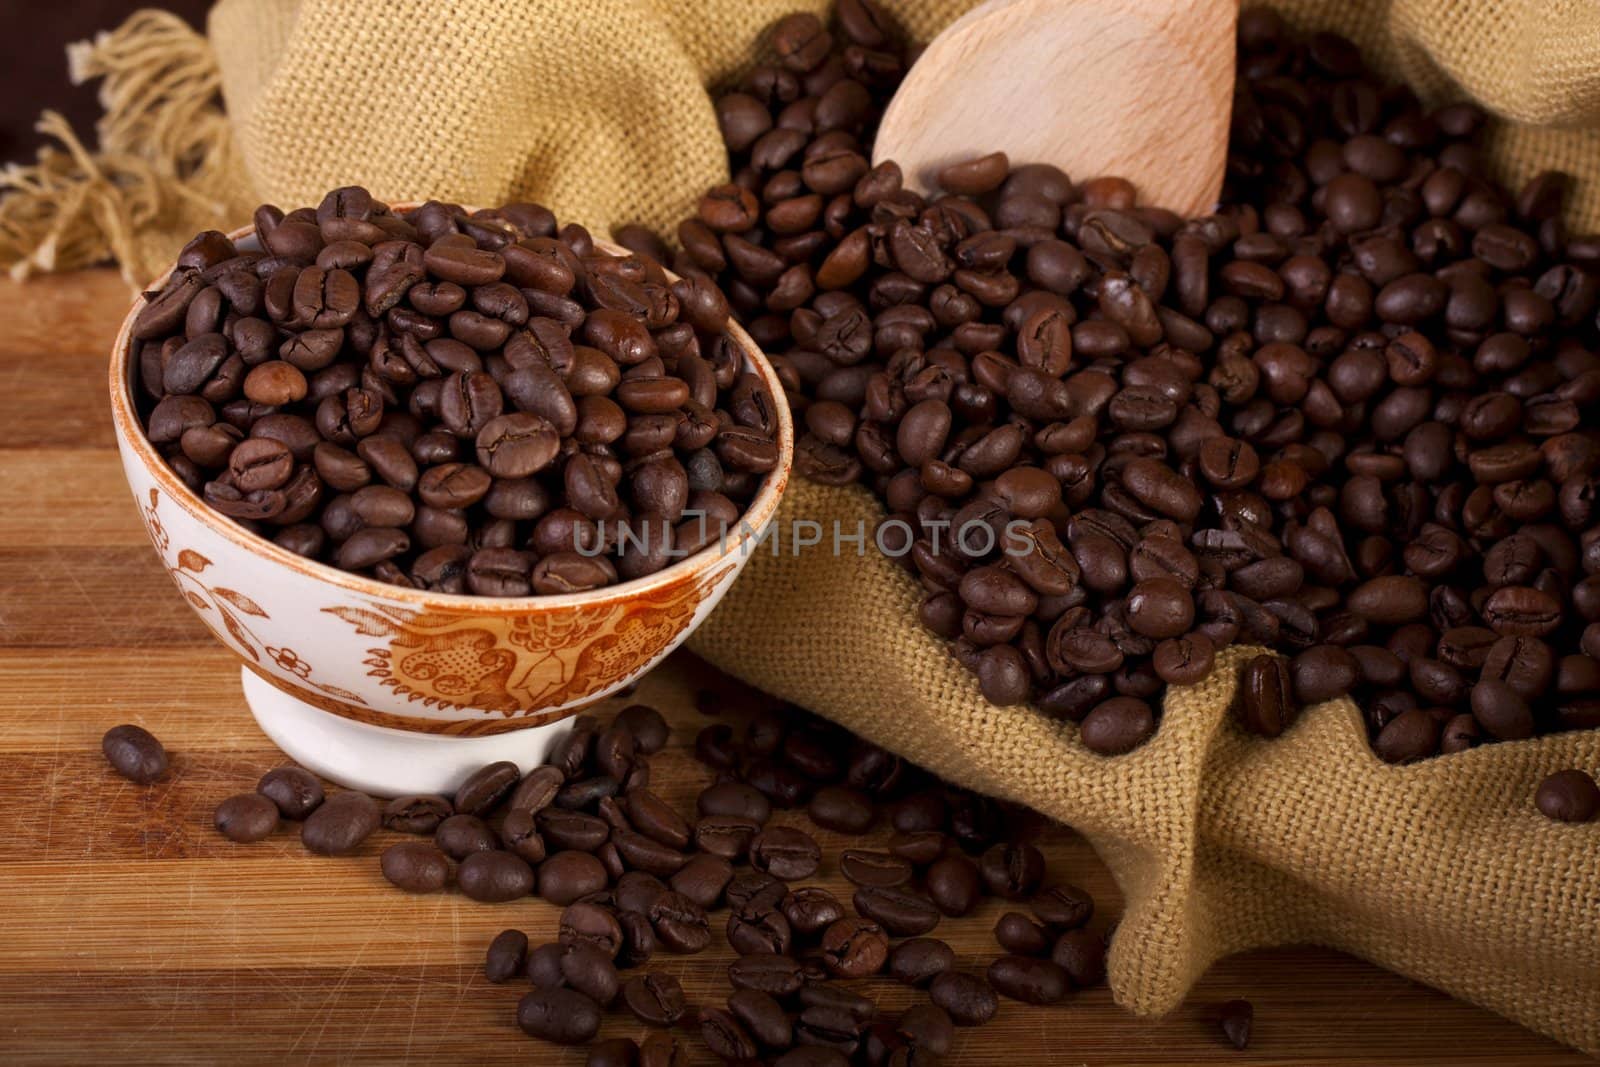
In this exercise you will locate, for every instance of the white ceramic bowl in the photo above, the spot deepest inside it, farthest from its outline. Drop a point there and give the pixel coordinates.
(393, 690)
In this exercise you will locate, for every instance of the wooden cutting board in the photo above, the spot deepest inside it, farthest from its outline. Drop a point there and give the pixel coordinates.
(131, 933)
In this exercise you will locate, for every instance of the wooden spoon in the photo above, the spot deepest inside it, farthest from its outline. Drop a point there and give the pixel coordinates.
(1142, 89)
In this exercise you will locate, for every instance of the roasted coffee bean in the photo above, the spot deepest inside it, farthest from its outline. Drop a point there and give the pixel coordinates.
(702, 879)
(653, 998)
(838, 807)
(680, 924)
(1235, 1018)
(537, 790)
(876, 869)
(1569, 796)
(543, 966)
(415, 866)
(784, 852)
(967, 999)
(1264, 703)
(645, 723)
(486, 787)
(417, 814)
(810, 910)
(1012, 871)
(920, 960)
(495, 875)
(1018, 934)
(1410, 736)
(725, 836)
(854, 948)
(955, 885)
(134, 753)
(567, 876)
(1030, 980)
(591, 972)
(762, 1017)
(927, 1027)
(459, 836)
(295, 791)
(571, 829)
(657, 820)
(778, 976)
(506, 956)
(1118, 725)
(246, 817)
(560, 1016)
(902, 912)
(340, 824)
(759, 927)
(724, 1036)
(591, 924)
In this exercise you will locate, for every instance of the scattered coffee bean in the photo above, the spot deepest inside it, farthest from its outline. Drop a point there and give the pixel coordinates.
(724, 1036)
(1569, 796)
(1082, 954)
(1236, 1017)
(495, 876)
(339, 825)
(779, 976)
(762, 1017)
(902, 912)
(134, 753)
(1021, 936)
(568, 876)
(560, 1016)
(506, 956)
(459, 836)
(591, 972)
(416, 814)
(1030, 980)
(854, 948)
(928, 1027)
(785, 852)
(920, 960)
(656, 999)
(486, 787)
(295, 790)
(955, 885)
(246, 817)
(966, 997)
(415, 866)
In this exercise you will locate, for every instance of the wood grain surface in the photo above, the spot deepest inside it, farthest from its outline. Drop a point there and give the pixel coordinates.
(131, 933)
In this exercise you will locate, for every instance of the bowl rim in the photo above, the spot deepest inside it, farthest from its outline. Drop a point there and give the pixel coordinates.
(752, 521)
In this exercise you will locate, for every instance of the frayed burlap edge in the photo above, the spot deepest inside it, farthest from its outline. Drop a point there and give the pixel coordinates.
(165, 163)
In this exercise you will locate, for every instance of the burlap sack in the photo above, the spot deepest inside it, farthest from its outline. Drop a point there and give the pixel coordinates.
(1443, 871)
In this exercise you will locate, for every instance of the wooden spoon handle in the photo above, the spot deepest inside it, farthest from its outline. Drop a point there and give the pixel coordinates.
(1137, 88)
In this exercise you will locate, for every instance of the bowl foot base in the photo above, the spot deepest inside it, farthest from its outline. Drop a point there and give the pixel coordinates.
(381, 761)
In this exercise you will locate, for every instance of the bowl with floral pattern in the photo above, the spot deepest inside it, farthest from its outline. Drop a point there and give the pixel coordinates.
(398, 690)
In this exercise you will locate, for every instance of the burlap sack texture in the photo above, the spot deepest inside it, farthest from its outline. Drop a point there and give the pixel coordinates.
(1442, 871)
(1221, 842)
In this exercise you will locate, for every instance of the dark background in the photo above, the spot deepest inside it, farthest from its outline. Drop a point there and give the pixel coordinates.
(33, 39)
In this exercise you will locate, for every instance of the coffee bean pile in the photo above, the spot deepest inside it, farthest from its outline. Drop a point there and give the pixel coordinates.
(1348, 416)
(635, 877)
(465, 403)
(640, 878)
